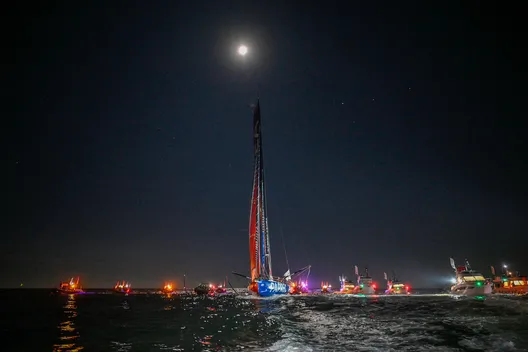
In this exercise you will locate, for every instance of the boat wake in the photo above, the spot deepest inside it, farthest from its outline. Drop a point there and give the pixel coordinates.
(390, 323)
(186, 322)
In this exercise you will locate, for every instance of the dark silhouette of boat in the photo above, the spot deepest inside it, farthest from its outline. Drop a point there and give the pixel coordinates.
(71, 287)
(204, 289)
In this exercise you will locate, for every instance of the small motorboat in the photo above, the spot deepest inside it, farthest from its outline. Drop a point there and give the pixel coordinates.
(220, 289)
(204, 289)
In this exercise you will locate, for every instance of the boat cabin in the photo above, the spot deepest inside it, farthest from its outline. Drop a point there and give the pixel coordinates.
(365, 281)
(511, 284)
(398, 286)
(347, 287)
(470, 277)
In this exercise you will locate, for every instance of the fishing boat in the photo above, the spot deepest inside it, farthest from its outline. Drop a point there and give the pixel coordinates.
(326, 288)
(347, 287)
(122, 287)
(365, 284)
(70, 287)
(262, 281)
(395, 287)
(509, 282)
(469, 282)
(204, 289)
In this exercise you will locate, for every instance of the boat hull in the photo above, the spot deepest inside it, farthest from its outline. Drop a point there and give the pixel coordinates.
(366, 291)
(201, 292)
(397, 292)
(68, 292)
(471, 290)
(120, 293)
(268, 288)
(518, 290)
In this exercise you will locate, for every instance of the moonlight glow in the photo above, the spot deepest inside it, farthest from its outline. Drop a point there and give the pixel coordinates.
(242, 50)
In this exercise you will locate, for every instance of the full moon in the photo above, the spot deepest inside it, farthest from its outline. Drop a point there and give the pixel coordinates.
(242, 50)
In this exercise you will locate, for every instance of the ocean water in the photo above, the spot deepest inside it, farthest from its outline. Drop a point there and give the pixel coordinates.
(34, 320)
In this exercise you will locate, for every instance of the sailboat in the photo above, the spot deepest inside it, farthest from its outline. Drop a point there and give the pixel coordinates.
(262, 282)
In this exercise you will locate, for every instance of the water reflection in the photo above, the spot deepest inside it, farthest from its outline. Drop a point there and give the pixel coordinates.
(68, 334)
(262, 306)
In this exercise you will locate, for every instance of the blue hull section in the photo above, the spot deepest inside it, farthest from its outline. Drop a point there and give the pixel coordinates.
(267, 288)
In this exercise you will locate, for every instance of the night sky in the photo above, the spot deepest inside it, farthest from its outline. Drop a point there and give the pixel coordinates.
(393, 137)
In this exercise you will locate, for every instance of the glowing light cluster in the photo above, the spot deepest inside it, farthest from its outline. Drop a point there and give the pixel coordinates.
(242, 50)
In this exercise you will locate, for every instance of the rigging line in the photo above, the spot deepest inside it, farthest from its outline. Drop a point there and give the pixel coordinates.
(263, 187)
(268, 244)
(284, 246)
(280, 222)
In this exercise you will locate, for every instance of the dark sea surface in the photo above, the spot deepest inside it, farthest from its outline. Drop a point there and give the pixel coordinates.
(35, 320)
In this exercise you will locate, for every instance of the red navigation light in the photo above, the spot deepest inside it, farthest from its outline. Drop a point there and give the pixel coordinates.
(373, 285)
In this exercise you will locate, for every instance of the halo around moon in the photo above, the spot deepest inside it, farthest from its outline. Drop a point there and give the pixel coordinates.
(242, 50)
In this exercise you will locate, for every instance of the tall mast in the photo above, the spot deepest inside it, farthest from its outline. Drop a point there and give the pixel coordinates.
(259, 245)
(254, 228)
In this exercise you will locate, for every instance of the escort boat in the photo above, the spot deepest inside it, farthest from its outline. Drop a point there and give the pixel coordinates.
(395, 287)
(326, 288)
(365, 284)
(71, 287)
(297, 288)
(122, 288)
(469, 282)
(347, 287)
(509, 282)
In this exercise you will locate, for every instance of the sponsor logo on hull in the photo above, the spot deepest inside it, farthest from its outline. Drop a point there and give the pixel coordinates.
(267, 288)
